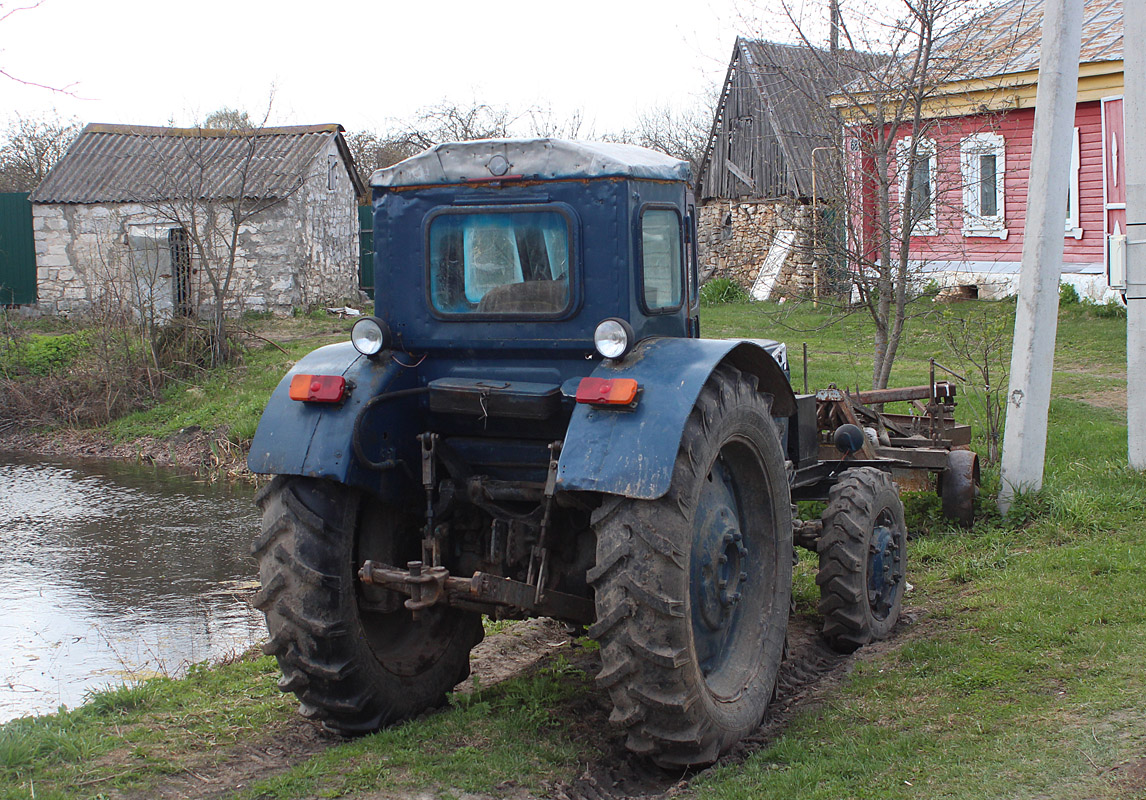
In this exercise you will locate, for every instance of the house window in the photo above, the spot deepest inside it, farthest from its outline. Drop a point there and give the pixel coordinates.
(1073, 220)
(983, 163)
(331, 172)
(921, 168)
(179, 246)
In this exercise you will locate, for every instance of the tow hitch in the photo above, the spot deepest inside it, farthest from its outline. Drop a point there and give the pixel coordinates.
(428, 586)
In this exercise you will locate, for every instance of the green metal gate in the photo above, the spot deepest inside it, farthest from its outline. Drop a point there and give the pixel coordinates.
(366, 250)
(17, 250)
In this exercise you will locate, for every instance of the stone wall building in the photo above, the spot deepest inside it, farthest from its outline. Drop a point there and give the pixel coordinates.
(767, 171)
(145, 220)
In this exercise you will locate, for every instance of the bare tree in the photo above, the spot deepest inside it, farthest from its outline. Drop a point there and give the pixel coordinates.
(31, 147)
(682, 134)
(372, 151)
(7, 10)
(451, 122)
(881, 172)
(228, 119)
(210, 194)
(543, 123)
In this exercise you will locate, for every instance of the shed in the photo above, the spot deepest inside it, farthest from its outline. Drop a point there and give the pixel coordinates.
(141, 219)
(773, 129)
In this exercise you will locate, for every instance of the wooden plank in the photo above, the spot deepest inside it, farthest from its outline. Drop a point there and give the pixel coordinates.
(739, 172)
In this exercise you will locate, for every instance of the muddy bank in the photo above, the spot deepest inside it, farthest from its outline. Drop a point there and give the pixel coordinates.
(191, 449)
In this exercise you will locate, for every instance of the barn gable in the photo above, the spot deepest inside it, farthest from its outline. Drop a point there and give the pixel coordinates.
(772, 116)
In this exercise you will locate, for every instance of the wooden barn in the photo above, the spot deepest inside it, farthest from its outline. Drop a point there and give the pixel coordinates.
(767, 166)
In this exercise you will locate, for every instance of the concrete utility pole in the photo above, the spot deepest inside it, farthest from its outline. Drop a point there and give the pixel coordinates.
(1134, 125)
(1036, 317)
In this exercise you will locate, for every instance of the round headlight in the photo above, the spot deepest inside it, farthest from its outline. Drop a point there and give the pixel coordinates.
(370, 336)
(613, 338)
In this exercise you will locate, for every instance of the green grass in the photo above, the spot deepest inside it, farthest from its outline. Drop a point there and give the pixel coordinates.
(1021, 676)
(515, 731)
(230, 399)
(227, 401)
(128, 737)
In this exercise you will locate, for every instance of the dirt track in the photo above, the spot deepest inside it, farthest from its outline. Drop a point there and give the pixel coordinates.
(810, 672)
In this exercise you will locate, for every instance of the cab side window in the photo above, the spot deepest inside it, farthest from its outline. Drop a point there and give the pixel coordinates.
(661, 266)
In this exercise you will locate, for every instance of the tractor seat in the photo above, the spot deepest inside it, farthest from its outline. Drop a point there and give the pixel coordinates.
(530, 297)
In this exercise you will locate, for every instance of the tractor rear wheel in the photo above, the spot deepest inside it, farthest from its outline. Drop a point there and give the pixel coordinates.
(863, 558)
(350, 652)
(692, 590)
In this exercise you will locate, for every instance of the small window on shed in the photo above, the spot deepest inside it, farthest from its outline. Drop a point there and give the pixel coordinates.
(331, 172)
(661, 266)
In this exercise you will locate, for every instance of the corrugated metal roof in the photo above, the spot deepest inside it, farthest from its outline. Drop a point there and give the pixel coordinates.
(1006, 37)
(134, 163)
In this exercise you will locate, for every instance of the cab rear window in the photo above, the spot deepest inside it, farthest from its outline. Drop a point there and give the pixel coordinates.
(500, 262)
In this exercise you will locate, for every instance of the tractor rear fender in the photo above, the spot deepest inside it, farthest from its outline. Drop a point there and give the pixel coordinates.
(316, 439)
(632, 452)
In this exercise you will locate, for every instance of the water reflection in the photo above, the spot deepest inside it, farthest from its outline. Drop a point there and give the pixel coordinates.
(110, 571)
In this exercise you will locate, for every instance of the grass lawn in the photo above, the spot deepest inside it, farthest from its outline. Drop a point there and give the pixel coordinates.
(1019, 676)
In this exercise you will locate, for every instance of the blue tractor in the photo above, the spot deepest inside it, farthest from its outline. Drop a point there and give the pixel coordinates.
(530, 425)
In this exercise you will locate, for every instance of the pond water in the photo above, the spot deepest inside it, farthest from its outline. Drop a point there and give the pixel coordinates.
(113, 572)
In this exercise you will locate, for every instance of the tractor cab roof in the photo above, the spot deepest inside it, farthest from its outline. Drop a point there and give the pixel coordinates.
(532, 159)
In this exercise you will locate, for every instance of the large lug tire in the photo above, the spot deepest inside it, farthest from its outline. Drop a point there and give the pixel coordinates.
(351, 653)
(863, 559)
(692, 590)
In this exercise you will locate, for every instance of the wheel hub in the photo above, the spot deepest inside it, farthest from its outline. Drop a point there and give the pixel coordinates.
(720, 588)
(719, 576)
(884, 571)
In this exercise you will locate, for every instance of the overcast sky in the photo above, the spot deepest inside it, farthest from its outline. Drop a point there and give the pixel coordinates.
(364, 63)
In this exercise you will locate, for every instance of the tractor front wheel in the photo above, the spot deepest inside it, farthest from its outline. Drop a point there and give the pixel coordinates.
(863, 558)
(692, 590)
(351, 653)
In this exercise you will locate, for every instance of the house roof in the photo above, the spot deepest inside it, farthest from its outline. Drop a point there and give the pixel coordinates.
(794, 83)
(135, 163)
(1006, 37)
(486, 159)
(990, 63)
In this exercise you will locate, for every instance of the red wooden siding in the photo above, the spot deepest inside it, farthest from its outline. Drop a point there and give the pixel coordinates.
(1016, 128)
(1115, 163)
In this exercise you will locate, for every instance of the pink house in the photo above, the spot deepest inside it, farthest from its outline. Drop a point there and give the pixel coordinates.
(969, 197)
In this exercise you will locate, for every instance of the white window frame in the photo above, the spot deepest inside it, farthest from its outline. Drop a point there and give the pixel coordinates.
(926, 146)
(1073, 216)
(971, 150)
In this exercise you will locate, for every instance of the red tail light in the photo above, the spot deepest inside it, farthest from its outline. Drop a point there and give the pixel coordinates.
(607, 391)
(318, 388)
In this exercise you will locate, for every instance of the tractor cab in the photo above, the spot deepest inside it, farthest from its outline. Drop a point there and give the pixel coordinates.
(494, 246)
